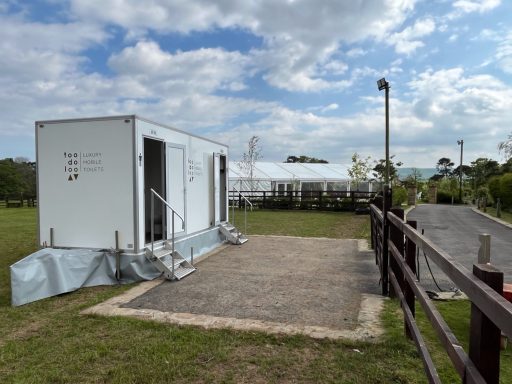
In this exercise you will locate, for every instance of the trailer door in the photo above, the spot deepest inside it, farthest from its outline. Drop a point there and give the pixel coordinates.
(176, 188)
(219, 187)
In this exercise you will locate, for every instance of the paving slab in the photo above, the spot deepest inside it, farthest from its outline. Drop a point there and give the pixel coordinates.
(318, 287)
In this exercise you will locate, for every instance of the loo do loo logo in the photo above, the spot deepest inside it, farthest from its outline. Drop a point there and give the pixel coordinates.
(77, 163)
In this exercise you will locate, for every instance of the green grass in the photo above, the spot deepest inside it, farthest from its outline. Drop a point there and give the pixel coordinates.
(457, 315)
(50, 342)
(505, 216)
(340, 225)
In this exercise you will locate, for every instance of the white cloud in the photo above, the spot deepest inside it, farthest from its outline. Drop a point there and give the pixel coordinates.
(480, 6)
(407, 41)
(464, 7)
(453, 38)
(503, 54)
(356, 52)
(203, 71)
(298, 37)
(478, 107)
(335, 67)
(330, 107)
(488, 35)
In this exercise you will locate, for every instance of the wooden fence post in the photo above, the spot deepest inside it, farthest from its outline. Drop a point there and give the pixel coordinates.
(484, 252)
(484, 336)
(397, 238)
(372, 230)
(410, 259)
(386, 205)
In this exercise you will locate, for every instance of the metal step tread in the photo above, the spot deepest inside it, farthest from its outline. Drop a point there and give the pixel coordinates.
(242, 240)
(161, 253)
(181, 272)
(177, 262)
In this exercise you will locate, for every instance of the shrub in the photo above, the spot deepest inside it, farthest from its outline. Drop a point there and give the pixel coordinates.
(494, 187)
(399, 195)
(445, 197)
(506, 190)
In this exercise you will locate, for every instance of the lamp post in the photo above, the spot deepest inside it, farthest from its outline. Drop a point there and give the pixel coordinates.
(461, 143)
(386, 198)
(383, 84)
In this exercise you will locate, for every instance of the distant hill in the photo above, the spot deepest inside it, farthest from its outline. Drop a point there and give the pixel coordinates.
(426, 173)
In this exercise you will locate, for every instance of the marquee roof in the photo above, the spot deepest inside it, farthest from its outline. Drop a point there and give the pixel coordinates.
(274, 171)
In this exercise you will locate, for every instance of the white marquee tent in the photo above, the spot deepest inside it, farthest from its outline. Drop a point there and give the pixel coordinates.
(283, 177)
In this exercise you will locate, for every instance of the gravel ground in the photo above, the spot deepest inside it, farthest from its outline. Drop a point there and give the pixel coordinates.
(288, 280)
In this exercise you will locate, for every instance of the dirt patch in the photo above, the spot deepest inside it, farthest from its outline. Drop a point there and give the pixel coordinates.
(317, 287)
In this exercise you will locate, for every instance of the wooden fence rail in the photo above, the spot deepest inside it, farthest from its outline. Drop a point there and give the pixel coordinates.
(18, 201)
(316, 200)
(491, 313)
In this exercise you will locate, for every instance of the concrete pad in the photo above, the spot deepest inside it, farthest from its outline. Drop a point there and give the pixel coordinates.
(317, 287)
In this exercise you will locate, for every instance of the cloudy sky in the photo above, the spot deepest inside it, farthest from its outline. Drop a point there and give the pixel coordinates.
(300, 74)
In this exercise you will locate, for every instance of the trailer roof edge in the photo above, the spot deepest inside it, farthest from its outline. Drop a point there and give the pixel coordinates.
(121, 117)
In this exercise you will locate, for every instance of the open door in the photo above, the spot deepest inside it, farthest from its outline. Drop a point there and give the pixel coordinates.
(154, 178)
(220, 187)
(176, 188)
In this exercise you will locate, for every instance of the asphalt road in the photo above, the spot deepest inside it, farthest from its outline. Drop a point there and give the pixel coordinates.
(455, 229)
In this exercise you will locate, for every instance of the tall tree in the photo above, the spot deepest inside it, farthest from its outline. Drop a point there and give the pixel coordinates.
(249, 159)
(506, 167)
(11, 181)
(359, 170)
(444, 166)
(304, 159)
(379, 169)
(482, 169)
(506, 147)
(466, 170)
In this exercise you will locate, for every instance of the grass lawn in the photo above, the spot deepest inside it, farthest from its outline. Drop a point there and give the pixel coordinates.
(50, 342)
(505, 216)
(339, 225)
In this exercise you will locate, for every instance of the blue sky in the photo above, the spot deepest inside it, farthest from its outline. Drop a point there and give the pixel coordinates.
(299, 74)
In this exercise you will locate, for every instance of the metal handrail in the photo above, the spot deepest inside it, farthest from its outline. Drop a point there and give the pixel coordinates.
(243, 196)
(153, 194)
(246, 200)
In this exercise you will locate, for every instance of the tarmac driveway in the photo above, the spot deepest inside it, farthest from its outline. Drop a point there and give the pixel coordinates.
(286, 280)
(455, 229)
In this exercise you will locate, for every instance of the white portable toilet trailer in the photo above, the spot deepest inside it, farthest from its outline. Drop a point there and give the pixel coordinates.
(95, 178)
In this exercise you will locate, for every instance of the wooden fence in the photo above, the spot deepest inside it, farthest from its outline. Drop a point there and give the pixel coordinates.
(395, 241)
(317, 200)
(18, 201)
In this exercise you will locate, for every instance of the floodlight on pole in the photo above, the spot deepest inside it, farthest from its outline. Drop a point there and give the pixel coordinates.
(383, 84)
(461, 143)
(387, 196)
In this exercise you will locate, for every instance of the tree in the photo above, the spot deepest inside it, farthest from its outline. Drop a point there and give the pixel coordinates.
(506, 147)
(413, 178)
(249, 158)
(506, 167)
(304, 159)
(11, 180)
(359, 170)
(379, 170)
(17, 177)
(482, 169)
(444, 166)
(436, 177)
(466, 170)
